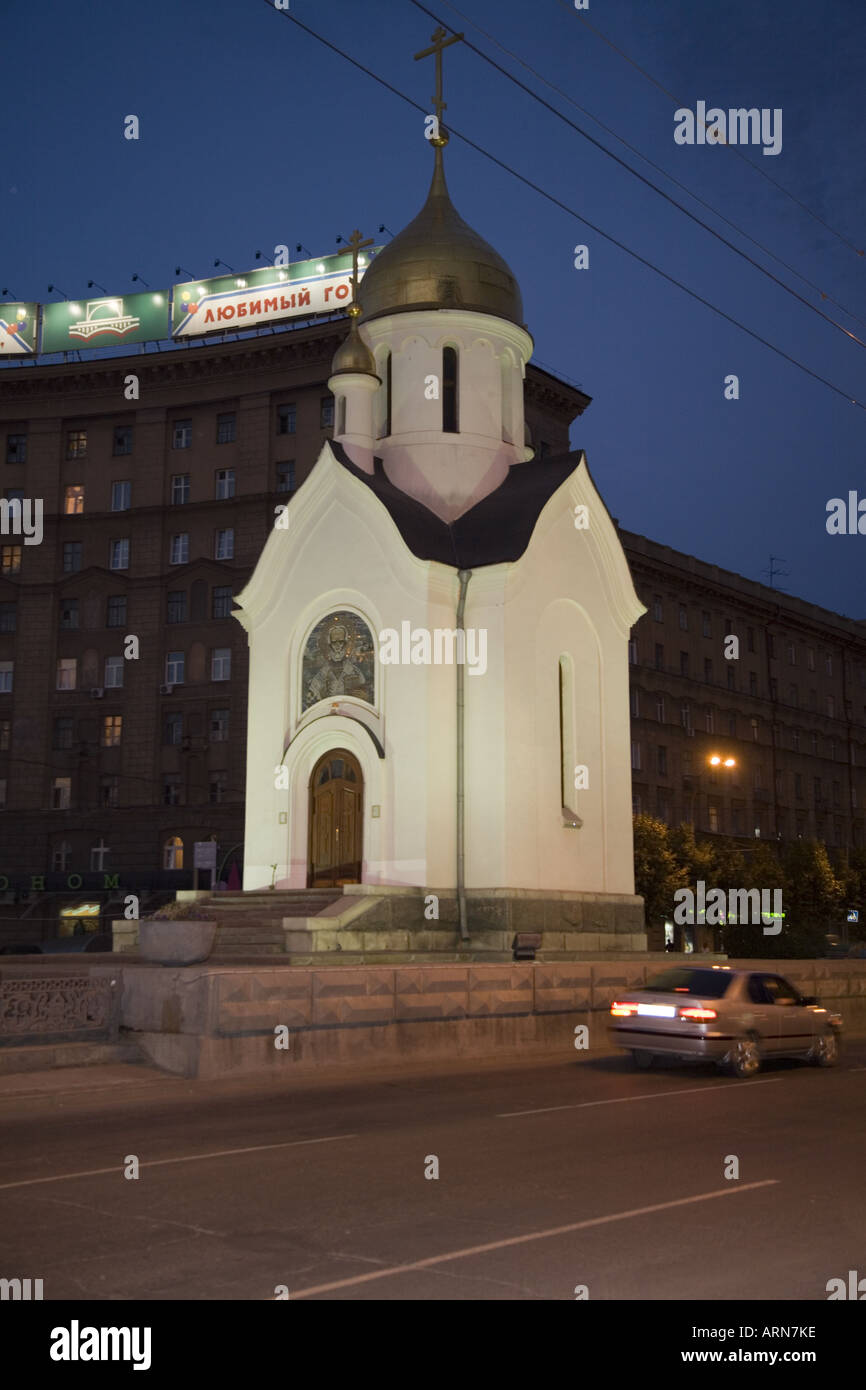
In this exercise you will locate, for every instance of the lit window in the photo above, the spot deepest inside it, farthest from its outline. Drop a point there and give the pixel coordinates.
(10, 559)
(172, 853)
(67, 673)
(76, 444)
(73, 499)
(112, 730)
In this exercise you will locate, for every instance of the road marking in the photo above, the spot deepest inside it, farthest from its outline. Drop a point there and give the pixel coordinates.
(533, 1235)
(652, 1095)
(187, 1158)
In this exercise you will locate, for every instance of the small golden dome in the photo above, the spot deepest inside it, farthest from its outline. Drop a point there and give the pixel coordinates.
(439, 262)
(353, 355)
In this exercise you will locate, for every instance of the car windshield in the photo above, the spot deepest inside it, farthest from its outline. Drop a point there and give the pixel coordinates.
(709, 984)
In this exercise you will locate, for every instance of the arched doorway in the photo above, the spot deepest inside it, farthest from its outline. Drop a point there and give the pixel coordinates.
(336, 820)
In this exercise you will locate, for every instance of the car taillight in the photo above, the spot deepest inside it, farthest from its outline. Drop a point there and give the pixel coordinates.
(698, 1015)
(620, 1010)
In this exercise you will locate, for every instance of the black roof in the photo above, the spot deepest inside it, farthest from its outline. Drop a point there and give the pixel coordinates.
(496, 529)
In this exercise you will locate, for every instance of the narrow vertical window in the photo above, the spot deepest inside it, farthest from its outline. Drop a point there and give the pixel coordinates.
(506, 370)
(449, 390)
(341, 415)
(567, 741)
(388, 396)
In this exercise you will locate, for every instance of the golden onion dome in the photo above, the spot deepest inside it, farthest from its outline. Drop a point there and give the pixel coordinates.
(439, 262)
(353, 355)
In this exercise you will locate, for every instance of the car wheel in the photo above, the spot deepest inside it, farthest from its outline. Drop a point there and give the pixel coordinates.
(641, 1058)
(825, 1052)
(745, 1057)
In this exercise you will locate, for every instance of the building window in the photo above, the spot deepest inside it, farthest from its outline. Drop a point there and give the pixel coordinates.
(795, 740)
(60, 856)
(226, 428)
(112, 730)
(286, 476)
(113, 679)
(567, 733)
(67, 673)
(658, 610)
(828, 664)
(222, 601)
(684, 618)
(684, 663)
(771, 646)
(710, 721)
(341, 415)
(810, 658)
(119, 555)
(179, 489)
(754, 724)
(635, 803)
(14, 494)
(122, 440)
(662, 757)
(706, 625)
(8, 617)
(449, 390)
(389, 379)
(109, 787)
(632, 651)
(181, 437)
(708, 670)
(225, 484)
(286, 419)
(73, 499)
(221, 664)
(732, 725)
(792, 654)
(121, 496)
(76, 444)
(171, 790)
(10, 559)
(219, 725)
(685, 716)
(753, 683)
(634, 696)
(5, 734)
(61, 793)
(71, 557)
(814, 745)
(179, 551)
(16, 448)
(714, 817)
(326, 412)
(831, 707)
(757, 782)
(172, 853)
(217, 787)
(64, 731)
(660, 708)
(224, 544)
(172, 729)
(115, 612)
(659, 657)
(174, 668)
(176, 606)
(635, 757)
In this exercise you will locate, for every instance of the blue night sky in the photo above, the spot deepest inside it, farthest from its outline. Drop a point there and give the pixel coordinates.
(254, 134)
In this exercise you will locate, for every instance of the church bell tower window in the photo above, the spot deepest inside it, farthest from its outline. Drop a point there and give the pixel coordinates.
(449, 390)
(341, 415)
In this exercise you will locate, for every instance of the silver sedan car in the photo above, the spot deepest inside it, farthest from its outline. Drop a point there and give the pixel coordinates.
(735, 1018)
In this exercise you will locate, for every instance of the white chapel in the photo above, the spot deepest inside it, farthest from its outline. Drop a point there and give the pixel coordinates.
(438, 624)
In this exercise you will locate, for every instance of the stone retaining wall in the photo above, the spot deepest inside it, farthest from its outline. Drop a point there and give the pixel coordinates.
(210, 1020)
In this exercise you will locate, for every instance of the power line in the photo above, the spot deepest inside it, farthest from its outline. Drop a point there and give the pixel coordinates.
(664, 172)
(649, 183)
(756, 167)
(557, 202)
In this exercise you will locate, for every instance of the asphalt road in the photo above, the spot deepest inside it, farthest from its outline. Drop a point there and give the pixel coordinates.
(554, 1173)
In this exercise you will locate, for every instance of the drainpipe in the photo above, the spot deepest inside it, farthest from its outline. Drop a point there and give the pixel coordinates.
(464, 577)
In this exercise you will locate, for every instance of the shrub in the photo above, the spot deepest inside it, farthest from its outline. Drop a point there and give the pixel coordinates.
(198, 911)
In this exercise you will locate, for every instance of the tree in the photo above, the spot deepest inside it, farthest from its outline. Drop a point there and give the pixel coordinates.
(657, 875)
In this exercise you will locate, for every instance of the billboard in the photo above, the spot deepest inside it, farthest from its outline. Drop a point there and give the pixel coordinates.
(263, 296)
(18, 329)
(107, 322)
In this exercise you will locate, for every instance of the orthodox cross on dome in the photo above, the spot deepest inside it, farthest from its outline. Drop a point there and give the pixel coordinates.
(440, 42)
(357, 245)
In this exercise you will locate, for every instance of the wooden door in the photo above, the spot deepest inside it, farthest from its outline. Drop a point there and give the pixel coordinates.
(336, 821)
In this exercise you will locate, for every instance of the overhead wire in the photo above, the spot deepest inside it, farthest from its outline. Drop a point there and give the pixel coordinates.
(564, 207)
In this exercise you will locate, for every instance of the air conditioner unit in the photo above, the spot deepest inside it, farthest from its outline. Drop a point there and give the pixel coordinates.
(97, 692)
(166, 689)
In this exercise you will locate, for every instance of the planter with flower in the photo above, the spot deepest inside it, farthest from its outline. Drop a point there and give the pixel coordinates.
(178, 934)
